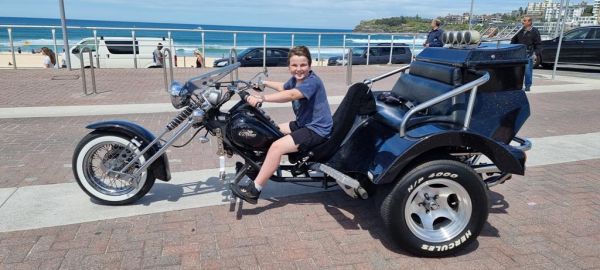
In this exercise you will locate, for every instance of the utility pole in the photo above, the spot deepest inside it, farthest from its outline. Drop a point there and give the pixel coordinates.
(471, 15)
(63, 23)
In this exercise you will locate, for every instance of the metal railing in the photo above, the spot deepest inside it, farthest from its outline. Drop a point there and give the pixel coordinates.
(93, 75)
(320, 36)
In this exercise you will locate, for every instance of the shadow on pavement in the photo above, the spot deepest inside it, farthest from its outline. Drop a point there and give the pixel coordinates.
(363, 215)
(162, 191)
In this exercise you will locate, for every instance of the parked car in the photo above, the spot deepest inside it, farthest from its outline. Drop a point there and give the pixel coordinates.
(117, 52)
(579, 46)
(378, 54)
(253, 57)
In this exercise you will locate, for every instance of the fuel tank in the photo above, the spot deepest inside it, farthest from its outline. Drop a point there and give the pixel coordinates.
(250, 130)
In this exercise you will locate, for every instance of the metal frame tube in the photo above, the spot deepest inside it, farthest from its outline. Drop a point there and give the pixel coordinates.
(161, 151)
(12, 48)
(368, 48)
(65, 36)
(383, 76)
(319, 50)
(96, 48)
(233, 59)
(264, 50)
(93, 75)
(234, 40)
(134, 51)
(349, 67)
(168, 52)
(457, 91)
(83, 73)
(391, 50)
(92, 70)
(171, 49)
(55, 46)
(293, 37)
(150, 145)
(470, 106)
(203, 51)
(344, 52)
(413, 47)
(560, 38)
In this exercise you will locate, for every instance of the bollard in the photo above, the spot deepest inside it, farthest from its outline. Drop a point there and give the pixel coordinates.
(86, 49)
(349, 68)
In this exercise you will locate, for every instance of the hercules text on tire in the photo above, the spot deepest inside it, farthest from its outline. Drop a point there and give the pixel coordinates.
(97, 156)
(436, 208)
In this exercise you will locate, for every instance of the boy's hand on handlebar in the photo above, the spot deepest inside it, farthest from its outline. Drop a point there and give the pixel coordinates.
(253, 101)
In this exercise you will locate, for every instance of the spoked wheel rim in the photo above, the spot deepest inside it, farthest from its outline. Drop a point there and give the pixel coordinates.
(438, 210)
(103, 157)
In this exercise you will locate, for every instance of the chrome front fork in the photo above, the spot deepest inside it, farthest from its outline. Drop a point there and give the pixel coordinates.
(198, 116)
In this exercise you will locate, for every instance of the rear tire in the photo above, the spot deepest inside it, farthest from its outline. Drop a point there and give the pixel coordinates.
(436, 209)
(98, 152)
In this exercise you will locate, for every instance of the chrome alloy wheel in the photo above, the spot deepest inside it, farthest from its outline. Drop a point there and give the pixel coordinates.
(438, 210)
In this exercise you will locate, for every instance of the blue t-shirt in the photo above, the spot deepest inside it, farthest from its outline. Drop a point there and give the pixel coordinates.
(312, 111)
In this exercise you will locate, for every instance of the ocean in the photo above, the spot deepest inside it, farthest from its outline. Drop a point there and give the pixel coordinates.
(186, 41)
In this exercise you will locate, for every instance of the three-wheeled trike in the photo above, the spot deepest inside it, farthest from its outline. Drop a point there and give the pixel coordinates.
(428, 149)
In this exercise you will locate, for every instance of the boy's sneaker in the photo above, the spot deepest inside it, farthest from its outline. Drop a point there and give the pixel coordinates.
(247, 193)
(527, 88)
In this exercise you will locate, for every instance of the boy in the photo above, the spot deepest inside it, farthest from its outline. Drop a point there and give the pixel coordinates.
(313, 118)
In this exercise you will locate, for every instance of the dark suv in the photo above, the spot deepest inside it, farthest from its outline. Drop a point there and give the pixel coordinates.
(253, 57)
(579, 46)
(378, 54)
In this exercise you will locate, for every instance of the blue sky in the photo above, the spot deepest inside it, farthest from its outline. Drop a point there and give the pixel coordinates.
(276, 13)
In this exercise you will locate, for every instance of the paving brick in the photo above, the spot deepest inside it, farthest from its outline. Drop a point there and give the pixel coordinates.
(553, 236)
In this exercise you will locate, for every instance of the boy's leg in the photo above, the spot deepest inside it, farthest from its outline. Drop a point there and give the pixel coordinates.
(285, 128)
(278, 148)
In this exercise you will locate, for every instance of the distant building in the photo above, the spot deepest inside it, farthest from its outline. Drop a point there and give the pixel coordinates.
(538, 10)
(596, 10)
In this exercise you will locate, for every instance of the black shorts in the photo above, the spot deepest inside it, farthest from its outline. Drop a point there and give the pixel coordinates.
(304, 137)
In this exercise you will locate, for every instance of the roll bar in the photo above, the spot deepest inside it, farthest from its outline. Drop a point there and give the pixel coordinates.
(485, 76)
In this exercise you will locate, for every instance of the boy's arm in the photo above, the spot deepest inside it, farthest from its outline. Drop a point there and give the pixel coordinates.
(283, 96)
(279, 97)
(274, 85)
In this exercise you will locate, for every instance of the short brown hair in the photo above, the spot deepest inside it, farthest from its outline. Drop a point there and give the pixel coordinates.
(437, 22)
(300, 51)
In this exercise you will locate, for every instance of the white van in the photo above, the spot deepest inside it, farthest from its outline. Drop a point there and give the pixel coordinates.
(117, 52)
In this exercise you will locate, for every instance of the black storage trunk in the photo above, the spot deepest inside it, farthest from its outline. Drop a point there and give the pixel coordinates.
(505, 63)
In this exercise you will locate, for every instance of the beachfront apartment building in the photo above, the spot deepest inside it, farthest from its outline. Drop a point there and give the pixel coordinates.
(596, 10)
(539, 9)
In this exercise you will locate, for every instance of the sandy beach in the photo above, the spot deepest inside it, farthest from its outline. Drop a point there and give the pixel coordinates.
(29, 60)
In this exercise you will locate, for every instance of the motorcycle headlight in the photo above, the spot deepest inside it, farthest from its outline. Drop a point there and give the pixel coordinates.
(212, 95)
(180, 97)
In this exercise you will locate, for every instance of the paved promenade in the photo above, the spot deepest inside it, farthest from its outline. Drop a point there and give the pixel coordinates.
(547, 219)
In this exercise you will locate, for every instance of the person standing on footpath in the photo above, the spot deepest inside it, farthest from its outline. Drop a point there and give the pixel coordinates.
(530, 37)
(434, 37)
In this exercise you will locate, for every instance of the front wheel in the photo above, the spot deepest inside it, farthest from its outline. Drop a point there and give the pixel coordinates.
(97, 156)
(436, 209)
